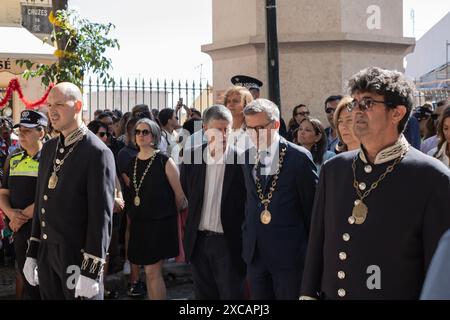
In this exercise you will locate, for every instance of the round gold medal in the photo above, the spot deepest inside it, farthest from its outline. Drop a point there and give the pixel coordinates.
(265, 217)
(137, 201)
(53, 181)
(359, 212)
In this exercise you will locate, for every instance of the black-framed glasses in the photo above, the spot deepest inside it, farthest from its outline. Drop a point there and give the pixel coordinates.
(103, 134)
(366, 104)
(303, 114)
(329, 110)
(144, 132)
(256, 129)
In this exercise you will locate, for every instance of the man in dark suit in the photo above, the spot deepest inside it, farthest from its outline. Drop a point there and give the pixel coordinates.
(280, 192)
(214, 186)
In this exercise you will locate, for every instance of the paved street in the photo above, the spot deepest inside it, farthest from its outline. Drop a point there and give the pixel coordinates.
(177, 277)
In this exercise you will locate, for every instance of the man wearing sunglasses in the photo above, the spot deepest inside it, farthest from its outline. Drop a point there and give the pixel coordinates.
(380, 211)
(331, 104)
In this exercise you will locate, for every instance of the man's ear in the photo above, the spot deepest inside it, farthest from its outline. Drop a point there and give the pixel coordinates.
(78, 106)
(398, 113)
(276, 124)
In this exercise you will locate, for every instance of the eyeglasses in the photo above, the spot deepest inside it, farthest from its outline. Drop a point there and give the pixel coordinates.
(144, 132)
(256, 129)
(304, 114)
(366, 104)
(102, 134)
(329, 110)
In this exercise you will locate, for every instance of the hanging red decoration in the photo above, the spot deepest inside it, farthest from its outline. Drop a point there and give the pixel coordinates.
(14, 85)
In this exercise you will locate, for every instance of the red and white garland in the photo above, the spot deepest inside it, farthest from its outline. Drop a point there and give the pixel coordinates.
(14, 85)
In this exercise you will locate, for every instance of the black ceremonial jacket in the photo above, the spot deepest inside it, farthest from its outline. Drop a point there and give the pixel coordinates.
(77, 214)
(387, 256)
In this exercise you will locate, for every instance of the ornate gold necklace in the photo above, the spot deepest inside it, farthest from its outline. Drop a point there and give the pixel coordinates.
(137, 199)
(74, 138)
(265, 215)
(360, 210)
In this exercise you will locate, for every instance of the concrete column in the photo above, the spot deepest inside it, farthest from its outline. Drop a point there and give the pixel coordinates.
(321, 43)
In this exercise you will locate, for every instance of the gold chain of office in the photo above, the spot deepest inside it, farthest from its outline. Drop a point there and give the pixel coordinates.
(57, 164)
(360, 210)
(266, 216)
(137, 199)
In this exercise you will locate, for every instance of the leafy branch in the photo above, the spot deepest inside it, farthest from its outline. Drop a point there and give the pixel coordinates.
(81, 51)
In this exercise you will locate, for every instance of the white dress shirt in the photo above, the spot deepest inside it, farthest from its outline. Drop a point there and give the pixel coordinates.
(212, 194)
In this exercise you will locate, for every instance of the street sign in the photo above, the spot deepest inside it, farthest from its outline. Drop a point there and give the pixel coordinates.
(35, 19)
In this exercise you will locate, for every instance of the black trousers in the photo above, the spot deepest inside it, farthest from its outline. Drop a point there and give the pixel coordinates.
(269, 284)
(20, 247)
(57, 271)
(215, 275)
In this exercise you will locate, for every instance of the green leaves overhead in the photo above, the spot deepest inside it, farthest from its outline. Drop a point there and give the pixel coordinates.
(81, 47)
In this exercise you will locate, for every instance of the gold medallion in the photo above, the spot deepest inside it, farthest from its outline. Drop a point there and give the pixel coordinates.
(265, 217)
(359, 212)
(52, 181)
(137, 201)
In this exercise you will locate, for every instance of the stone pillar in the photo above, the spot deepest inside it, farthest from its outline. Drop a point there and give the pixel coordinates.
(321, 44)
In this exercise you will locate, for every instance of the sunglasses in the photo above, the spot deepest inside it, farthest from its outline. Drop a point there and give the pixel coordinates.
(329, 110)
(144, 132)
(103, 134)
(366, 104)
(304, 114)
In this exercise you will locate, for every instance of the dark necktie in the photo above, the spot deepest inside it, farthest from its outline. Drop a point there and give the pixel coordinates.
(263, 168)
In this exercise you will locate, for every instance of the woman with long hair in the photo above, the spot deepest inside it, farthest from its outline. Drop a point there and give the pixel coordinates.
(442, 151)
(299, 113)
(311, 135)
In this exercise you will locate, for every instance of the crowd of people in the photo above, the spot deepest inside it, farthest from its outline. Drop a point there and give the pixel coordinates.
(259, 210)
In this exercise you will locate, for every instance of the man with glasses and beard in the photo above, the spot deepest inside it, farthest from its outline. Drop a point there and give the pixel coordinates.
(379, 211)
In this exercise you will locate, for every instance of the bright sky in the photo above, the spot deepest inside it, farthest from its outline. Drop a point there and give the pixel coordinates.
(162, 38)
(427, 13)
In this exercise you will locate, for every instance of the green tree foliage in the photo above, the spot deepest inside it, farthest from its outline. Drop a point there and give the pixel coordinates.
(81, 51)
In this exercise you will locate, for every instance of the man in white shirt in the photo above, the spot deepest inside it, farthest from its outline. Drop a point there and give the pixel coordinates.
(214, 186)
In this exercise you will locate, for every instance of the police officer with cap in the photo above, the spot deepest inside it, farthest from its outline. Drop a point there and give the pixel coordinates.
(252, 84)
(19, 187)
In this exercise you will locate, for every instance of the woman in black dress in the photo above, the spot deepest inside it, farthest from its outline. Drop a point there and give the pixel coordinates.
(157, 196)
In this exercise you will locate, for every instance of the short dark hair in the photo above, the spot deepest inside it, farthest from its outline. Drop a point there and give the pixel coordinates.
(196, 111)
(392, 85)
(141, 111)
(95, 126)
(332, 98)
(131, 123)
(165, 115)
(441, 103)
(105, 114)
